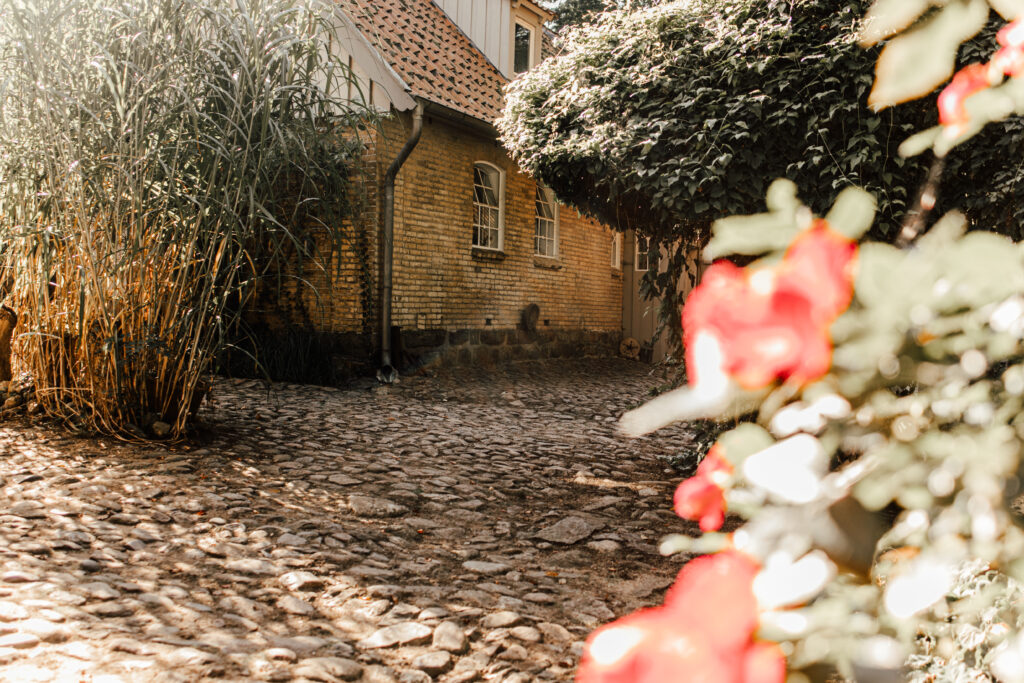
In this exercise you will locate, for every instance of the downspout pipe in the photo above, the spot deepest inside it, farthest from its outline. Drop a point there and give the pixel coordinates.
(387, 373)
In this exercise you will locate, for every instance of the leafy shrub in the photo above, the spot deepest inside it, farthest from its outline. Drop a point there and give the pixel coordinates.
(882, 480)
(666, 119)
(157, 159)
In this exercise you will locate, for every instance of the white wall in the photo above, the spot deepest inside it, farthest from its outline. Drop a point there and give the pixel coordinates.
(374, 82)
(488, 25)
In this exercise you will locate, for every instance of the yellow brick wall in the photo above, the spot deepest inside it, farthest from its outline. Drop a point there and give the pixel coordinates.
(336, 290)
(441, 282)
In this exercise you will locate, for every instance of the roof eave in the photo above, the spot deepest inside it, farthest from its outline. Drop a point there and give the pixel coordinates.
(545, 15)
(481, 126)
(373, 63)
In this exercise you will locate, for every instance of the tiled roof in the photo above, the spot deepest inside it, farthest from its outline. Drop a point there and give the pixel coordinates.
(548, 47)
(431, 54)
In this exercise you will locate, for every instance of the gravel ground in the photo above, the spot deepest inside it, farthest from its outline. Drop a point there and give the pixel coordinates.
(473, 525)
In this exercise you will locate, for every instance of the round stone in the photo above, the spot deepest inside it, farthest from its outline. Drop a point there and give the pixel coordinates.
(449, 636)
(433, 663)
(282, 654)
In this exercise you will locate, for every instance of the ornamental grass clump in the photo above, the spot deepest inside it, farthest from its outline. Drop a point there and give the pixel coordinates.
(882, 473)
(157, 160)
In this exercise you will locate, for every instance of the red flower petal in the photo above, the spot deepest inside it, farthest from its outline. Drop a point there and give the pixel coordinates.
(1012, 35)
(700, 498)
(1009, 61)
(818, 267)
(764, 663)
(713, 595)
(652, 646)
(701, 635)
(969, 80)
(773, 323)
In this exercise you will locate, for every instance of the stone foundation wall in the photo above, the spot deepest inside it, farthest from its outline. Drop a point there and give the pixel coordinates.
(430, 348)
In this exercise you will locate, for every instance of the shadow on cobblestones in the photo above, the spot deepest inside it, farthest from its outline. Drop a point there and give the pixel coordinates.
(475, 525)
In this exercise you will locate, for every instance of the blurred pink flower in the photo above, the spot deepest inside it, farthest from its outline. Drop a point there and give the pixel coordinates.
(700, 498)
(702, 634)
(1009, 59)
(969, 80)
(772, 323)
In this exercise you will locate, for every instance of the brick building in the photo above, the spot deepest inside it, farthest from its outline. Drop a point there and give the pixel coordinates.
(484, 264)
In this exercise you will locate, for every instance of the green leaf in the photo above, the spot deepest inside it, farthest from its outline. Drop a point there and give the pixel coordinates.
(782, 196)
(888, 17)
(944, 233)
(1008, 9)
(751, 235)
(983, 267)
(919, 142)
(675, 543)
(918, 61)
(740, 443)
(853, 212)
(760, 233)
(877, 265)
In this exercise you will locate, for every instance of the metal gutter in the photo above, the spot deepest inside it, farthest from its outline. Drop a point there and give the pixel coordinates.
(387, 372)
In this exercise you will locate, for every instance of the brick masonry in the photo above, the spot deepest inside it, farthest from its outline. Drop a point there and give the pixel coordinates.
(453, 303)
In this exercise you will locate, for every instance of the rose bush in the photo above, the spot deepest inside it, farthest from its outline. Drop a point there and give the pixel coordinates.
(881, 475)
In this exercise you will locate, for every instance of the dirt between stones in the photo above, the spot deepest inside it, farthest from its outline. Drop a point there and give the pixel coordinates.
(472, 525)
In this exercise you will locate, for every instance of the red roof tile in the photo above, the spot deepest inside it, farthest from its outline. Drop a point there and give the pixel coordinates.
(431, 54)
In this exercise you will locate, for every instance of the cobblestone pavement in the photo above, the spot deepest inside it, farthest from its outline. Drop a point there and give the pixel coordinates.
(470, 526)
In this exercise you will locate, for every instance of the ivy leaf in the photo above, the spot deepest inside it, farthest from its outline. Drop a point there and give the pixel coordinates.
(916, 62)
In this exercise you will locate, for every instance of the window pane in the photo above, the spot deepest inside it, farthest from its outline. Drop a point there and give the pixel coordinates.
(522, 49)
(643, 256)
(485, 190)
(545, 239)
(486, 207)
(544, 208)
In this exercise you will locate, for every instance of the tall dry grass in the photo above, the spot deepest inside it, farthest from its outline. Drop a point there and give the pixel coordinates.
(158, 158)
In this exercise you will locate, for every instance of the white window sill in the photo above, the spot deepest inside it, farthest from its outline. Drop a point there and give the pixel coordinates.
(547, 262)
(485, 254)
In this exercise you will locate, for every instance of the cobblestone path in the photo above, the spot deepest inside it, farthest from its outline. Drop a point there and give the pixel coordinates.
(471, 526)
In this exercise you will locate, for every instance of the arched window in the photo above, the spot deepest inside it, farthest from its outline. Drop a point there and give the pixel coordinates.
(488, 206)
(545, 237)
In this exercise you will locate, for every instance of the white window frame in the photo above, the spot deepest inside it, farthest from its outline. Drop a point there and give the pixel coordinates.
(617, 251)
(477, 226)
(646, 254)
(533, 38)
(538, 238)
